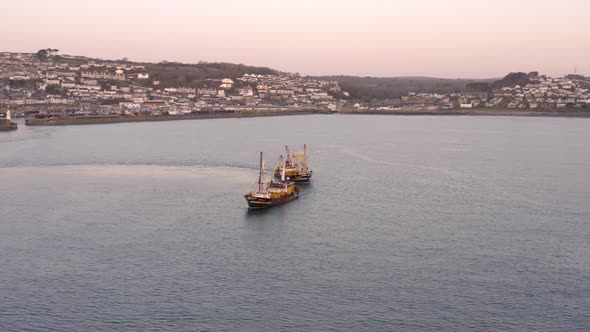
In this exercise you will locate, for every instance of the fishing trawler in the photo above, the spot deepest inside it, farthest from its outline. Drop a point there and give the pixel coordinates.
(277, 190)
(296, 167)
(6, 121)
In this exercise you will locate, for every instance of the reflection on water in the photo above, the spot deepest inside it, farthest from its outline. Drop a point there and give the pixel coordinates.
(276, 213)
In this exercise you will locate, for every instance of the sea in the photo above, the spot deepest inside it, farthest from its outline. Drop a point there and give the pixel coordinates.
(410, 223)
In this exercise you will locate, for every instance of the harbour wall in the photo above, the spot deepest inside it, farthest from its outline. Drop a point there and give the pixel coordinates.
(87, 120)
(103, 119)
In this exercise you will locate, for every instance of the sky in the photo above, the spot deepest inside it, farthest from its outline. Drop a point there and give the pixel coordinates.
(438, 38)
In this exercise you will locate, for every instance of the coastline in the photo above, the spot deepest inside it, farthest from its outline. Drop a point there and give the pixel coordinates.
(106, 119)
(481, 112)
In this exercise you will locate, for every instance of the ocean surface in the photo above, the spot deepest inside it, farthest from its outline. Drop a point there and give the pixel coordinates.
(411, 223)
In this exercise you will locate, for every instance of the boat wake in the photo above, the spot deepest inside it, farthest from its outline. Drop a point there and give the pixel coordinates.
(228, 173)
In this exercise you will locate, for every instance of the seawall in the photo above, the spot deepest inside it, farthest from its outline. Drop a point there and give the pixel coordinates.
(103, 119)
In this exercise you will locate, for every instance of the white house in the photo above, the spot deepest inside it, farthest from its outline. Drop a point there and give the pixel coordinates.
(226, 83)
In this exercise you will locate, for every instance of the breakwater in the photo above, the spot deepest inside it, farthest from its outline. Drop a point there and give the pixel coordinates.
(103, 119)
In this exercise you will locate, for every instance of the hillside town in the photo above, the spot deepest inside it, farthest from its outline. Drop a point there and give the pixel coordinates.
(541, 93)
(48, 85)
(45, 87)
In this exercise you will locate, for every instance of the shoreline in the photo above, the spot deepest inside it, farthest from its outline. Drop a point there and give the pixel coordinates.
(106, 119)
(480, 112)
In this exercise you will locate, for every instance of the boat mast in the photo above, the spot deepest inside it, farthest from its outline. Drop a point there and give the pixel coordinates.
(261, 174)
(305, 168)
(288, 161)
(283, 174)
(278, 169)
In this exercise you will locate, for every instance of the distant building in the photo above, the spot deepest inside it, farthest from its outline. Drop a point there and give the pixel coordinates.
(226, 83)
(102, 75)
(207, 91)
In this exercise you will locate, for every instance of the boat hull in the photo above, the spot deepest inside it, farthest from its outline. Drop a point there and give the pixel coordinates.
(6, 125)
(301, 178)
(263, 203)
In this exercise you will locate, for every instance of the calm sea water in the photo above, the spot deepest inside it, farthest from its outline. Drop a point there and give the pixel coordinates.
(411, 223)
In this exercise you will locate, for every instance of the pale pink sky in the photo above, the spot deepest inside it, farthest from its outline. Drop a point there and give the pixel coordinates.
(442, 38)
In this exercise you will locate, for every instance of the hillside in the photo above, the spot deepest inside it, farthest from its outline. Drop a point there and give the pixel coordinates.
(174, 74)
(514, 79)
(171, 74)
(367, 88)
